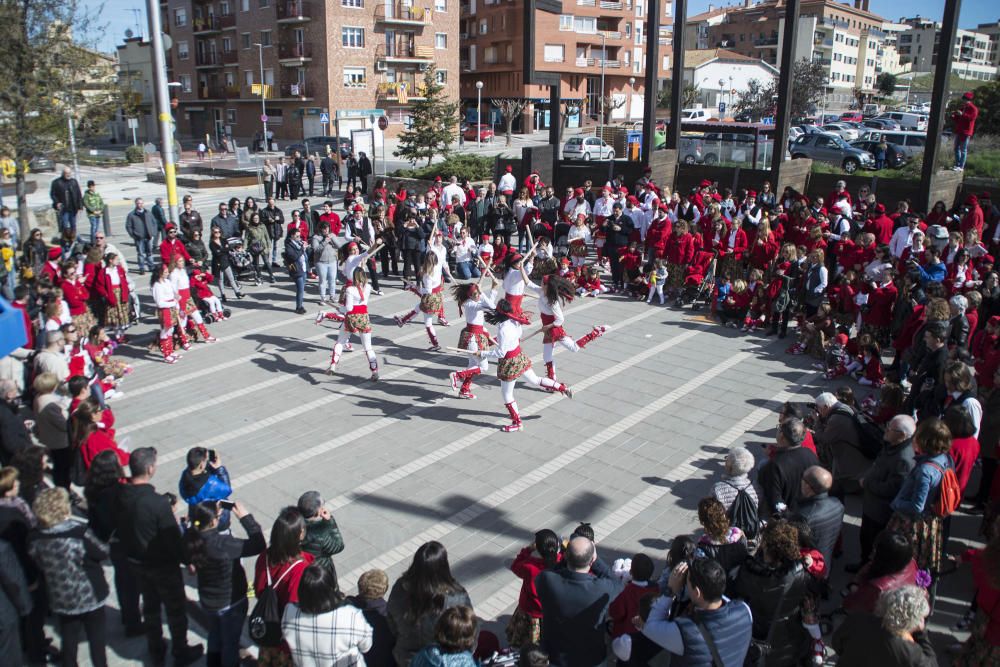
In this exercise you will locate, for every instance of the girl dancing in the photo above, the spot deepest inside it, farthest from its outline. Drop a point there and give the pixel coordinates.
(516, 270)
(431, 302)
(356, 320)
(472, 303)
(187, 310)
(512, 363)
(554, 292)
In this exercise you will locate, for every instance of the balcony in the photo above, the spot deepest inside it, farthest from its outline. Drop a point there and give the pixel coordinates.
(230, 57)
(294, 11)
(834, 23)
(293, 90)
(400, 14)
(232, 91)
(402, 91)
(213, 93)
(227, 21)
(611, 5)
(206, 26)
(207, 60)
(401, 51)
(294, 54)
(766, 42)
(586, 3)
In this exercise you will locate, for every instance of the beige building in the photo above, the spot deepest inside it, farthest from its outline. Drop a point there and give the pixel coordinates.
(135, 76)
(350, 59)
(974, 53)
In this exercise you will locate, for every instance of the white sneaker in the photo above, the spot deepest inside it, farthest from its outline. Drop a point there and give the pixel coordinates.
(319, 317)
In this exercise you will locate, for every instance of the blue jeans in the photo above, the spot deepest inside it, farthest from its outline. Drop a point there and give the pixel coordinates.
(466, 270)
(67, 219)
(95, 224)
(961, 150)
(224, 628)
(144, 249)
(300, 291)
(327, 279)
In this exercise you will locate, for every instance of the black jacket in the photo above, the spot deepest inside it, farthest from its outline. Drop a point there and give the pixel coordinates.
(884, 480)
(274, 220)
(777, 618)
(146, 526)
(221, 578)
(860, 641)
(66, 191)
(411, 238)
(364, 166)
(383, 641)
(779, 479)
(220, 257)
(618, 239)
(327, 166)
(574, 612)
(15, 599)
(13, 434)
(825, 516)
(958, 331)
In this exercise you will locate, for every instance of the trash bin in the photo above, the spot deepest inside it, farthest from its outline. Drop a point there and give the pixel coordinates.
(634, 146)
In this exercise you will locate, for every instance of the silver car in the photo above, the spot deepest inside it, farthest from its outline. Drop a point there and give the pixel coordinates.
(827, 147)
(843, 130)
(587, 148)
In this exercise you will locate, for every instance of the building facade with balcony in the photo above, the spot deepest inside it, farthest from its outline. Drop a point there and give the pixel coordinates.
(974, 53)
(135, 76)
(352, 59)
(590, 39)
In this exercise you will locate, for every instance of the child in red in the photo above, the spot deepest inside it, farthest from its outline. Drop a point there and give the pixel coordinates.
(631, 261)
(543, 554)
(590, 283)
(201, 282)
(626, 606)
(735, 304)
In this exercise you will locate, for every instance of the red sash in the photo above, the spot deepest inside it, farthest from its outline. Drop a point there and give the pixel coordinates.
(359, 310)
(547, 319)
(513, 353)
(475, 328)
(515, 301)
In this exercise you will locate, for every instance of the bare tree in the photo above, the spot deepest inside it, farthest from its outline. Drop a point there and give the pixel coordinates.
(609, 104)
(570, 108)
(510, 108)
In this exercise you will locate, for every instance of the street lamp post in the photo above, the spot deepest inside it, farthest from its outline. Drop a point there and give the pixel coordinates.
(604, 60)
(162, 97)
(479, 118)
(722, 92)
(263, 97)
(631, 93)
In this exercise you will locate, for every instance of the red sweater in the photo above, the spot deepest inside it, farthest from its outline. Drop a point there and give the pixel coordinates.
(96, 443)
(964, 452)
(76, 295)
(626, 606)
(287, 589)
(527, 566)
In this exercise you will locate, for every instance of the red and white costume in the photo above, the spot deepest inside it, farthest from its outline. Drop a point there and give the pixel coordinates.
(201, 283)
(357, 321)
(165, 298)
(513, 286)
(578, 238)
(512, 363)
(552, 314)
(186, 306)
(473, 338)
(431, 303)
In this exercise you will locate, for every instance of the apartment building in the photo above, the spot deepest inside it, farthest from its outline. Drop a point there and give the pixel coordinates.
(847, 40)
(992, 31)
(351, 59)
(974, 53)
(591, 41)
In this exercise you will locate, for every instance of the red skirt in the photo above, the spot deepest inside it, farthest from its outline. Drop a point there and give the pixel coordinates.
(553, 334)
(515, 301)
(169, 317)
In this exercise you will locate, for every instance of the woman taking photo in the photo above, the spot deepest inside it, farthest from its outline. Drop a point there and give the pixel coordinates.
(321, 629)
(418, 599)
(90, 437)
(221, 268)
(222, 582)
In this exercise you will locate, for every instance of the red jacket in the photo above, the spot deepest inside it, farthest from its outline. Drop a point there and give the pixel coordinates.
(630, 260)
(527, 567)
(739, 244)
(763, 252)
(881, 227)
(880, 304)
(200, 281)
(97, 442)
(965, 119)
(973, 219)
(76, 295)
(104, 287)
(626, 606)
(679, 249)
(657, 236)
(170, 249)
(964, 452)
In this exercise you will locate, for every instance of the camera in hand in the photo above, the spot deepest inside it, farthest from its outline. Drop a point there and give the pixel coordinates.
(227, 504)
(213, 455)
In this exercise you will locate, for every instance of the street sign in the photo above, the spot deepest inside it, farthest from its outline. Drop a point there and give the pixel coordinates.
(383, 123)
(263, 117)
(767, 120)
(324, 118)
(722, 107)
(133, 123)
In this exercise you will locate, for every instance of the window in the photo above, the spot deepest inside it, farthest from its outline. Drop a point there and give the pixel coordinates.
(490, 55)
(440, 40)
(355, 77)
(248, 77)
(224, 9)
(186, 83)
(265, 38)
(555, 53)
(182, 51)
(483, 27)
(666, 62)
(440, 5)
(245, 40)
(263, 4)
(230, 79)
(585, 24)
(244, 5)
(180, 16)
(231, 116)
(565, 22)
(227, 44)
(352, 38)
(441, 77)
(354, 4)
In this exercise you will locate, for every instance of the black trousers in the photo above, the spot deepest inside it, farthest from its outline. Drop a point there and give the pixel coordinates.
(411, 259)
(616, 265)
(163, 586)
(127, 589)
(93, 624)
(387, 258)
(62, 463)
(373, 273)
(282, 189)
(312, 184)
(870, 528)
(986, 480)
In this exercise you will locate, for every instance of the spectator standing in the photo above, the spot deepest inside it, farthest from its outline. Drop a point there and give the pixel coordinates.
(321, 628)
(823, 513)
(779, 477)
(983, 645)
(352, 171)
(891, 566)
(67, 199)
(964, 120)
(575, 607)
(894, 637)
(141, 227)
(52, 426)
(94, 206)
(149, 532)
(190, 221)
(268, 174)
(296, 261)
(364, 171)
(838, 444)
(543, 554)
(721, 542)
(14, 432)
(327, 167)
(281, 178)
(372, 587)
(227, 221)
(274, 219)
(69, 556)
(311, 173)
(15, 600)
(205, 479)
(281, 566)
(418, 599)
(714, 618)
(323, 539)
(222, 583)
(735, 478)
(160, 218)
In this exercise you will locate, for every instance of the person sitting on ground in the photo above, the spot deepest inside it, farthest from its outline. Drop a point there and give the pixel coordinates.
(893, 637)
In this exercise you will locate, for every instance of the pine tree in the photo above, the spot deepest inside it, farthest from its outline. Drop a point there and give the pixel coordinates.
(433, 125)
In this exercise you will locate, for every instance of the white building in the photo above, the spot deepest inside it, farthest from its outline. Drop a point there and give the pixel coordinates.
(720, 75)
(973, 54)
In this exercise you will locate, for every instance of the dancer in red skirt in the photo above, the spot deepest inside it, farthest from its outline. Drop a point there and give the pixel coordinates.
(516, 268)
(165, 298)
(512, 363)
(553, 293)
(190, 317)
(431, 303)
(356, 320)
(473, 304)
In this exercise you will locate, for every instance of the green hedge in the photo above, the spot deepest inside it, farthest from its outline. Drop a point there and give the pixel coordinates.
(473, 167)
(134, 154)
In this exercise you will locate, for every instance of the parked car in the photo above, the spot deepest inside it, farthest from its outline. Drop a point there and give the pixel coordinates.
(852, 115)
(41, 163)
(843, 130)
(881, 123)
(909, 122)
(587, 148)
(696, 114)
(794, 132)
(831, 148)
(895, 157)
(483, 133)
(829, 118)
(911, 143)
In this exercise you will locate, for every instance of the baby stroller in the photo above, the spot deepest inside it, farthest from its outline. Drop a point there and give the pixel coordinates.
(205, 311)
(239, 258)
(699, 281)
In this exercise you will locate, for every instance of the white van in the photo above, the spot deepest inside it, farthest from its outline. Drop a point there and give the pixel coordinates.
(910, 143)
(696, 114)
(908, 122)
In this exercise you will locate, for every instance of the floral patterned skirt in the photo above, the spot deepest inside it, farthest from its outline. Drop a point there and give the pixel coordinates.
(675, 275)
(118, 315)
(84, 321)
(482, 340)
(924, 533)
(511, 368)
(357, 323)
(523, 629)
(431, 303)
(578, 249)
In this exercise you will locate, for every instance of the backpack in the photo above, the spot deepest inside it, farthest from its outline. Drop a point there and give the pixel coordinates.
(264, 622)
(870, 434)
(950, 493)
(743, 512)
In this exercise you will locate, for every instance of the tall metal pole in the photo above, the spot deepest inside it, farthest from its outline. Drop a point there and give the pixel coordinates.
(653, 9)
(942, 75)
(604, 59)
(479, 116)
(72, 142)
(677, 76)
(788, 39)
(162, 99)
(263, 97)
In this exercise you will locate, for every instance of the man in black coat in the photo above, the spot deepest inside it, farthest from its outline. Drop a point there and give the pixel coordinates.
(618, 227)
(364, 171)
(575, 608)
(311, 174)
(823, 513)
(328, 167)
(925, 395)
(13, 433)
(779, 478)
(67, 199)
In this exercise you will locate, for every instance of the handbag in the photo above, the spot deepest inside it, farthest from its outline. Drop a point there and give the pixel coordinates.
(760, 648)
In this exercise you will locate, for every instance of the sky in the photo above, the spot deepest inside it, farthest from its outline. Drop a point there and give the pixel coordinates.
(116, 16)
